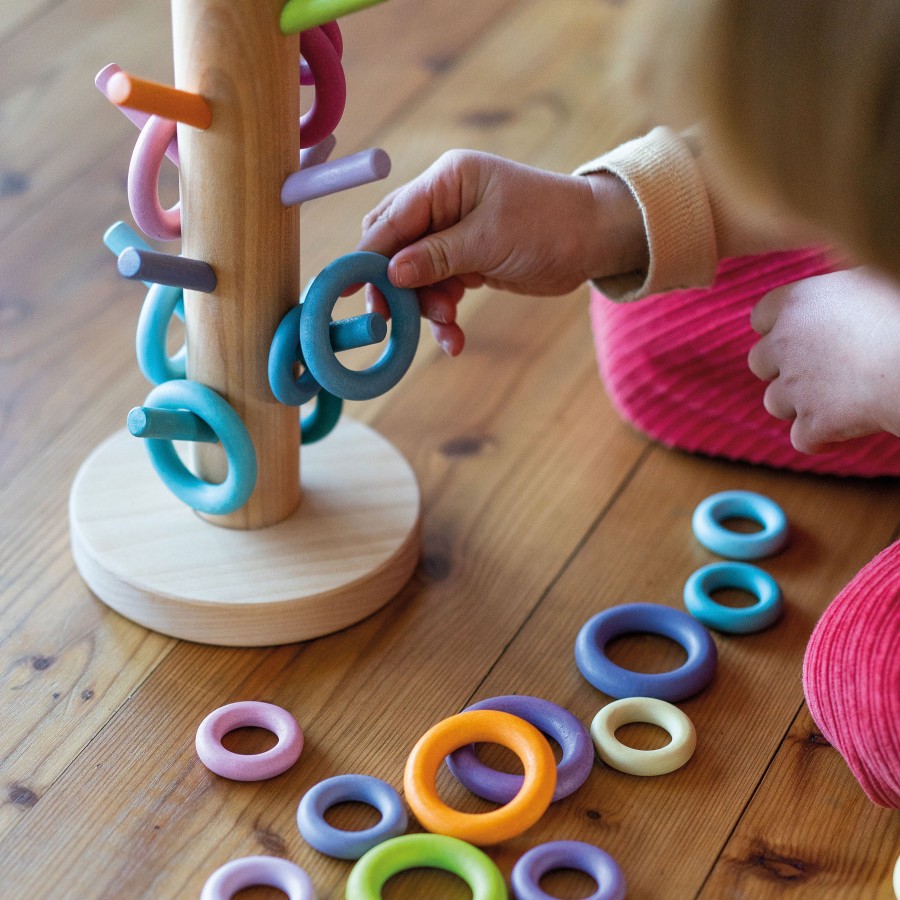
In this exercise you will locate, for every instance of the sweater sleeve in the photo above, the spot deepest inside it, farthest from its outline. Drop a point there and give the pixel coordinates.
(691, 220)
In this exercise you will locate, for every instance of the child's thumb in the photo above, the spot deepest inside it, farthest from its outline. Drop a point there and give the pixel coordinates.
(432, 259)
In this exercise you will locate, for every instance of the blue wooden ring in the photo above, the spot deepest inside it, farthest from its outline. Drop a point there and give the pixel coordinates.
(343, 789)
(283, 354)
(646, 618)
(553, 720)
(322, 419)
(743, 576)
(322, 295)
(538, 861)
(160, 305)
(708, 529)
(203, 401)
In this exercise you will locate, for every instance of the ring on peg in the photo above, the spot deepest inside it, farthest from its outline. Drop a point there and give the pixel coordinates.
(338, 175)
(500, 787)
(331, 87)
(336, 842)
(713, 511)
(258, 871)
(135, 116)
(431, 851)
(204, 496)
(157, 366)
(321, 420)
(143, 178)
(646, 618)
(333, 33)
(321, 297)
(300, 15)
(588, 858)
(315, 156)
(698, 601)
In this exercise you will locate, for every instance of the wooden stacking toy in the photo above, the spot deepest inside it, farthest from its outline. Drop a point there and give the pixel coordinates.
(224, 543)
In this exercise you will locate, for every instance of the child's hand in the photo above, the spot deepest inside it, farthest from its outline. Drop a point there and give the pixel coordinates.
(474, 219)
(831, 348)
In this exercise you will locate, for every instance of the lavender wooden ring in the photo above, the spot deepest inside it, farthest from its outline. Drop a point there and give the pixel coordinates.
(143, 182)
(331, 87)
(262, 871)
(537, 862)
(333, 33)
(646, 618)
(500, 787)
(248, 714)
(157, 366)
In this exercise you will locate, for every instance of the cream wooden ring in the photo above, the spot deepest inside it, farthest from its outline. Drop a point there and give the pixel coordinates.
(643, 762)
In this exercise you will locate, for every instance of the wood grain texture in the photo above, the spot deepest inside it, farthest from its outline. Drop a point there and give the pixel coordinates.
(540, 507)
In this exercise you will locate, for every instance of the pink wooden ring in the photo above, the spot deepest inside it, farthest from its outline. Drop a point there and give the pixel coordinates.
(333, 33)
(249, 767)
(143, 182)
(331, 87)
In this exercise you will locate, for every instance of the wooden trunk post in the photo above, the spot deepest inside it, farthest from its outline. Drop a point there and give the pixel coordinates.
(232, 53)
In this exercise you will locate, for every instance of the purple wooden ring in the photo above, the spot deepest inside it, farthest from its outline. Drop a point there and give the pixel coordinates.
(501, 787)
(256, 766)
(252, 871)
(331, 87)
(333, 33)
(537, 862)
(143, 182)
(646, 618)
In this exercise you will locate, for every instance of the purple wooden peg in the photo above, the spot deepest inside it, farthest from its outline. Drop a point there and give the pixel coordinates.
(135, 116)
(163, 268)
(337, 175)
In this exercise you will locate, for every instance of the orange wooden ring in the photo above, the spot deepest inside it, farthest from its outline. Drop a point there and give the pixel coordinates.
(473, 727)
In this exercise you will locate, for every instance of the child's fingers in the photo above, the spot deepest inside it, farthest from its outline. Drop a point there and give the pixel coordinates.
(438, 301)
(761, 360)
(375, 301)
(449, 336)
(765, 313)
(777, 403)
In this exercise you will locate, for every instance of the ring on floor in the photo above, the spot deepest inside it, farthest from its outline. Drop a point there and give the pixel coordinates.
(538, 861)
(742, 620)
(258, 871)
(709, 530)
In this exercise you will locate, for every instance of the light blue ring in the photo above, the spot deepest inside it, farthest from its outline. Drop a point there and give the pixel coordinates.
(284, 352)
(708, 529)
(154, 362)
(213, 499)
(646, 618)
(322, 295)
(743, 576)
(343, 789)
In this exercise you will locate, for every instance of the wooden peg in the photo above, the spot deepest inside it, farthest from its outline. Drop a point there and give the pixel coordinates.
(337, 175)
(357, 331)
(159, 100)
(169, 425)
(299, 15)
(163, 268)
(120, 236)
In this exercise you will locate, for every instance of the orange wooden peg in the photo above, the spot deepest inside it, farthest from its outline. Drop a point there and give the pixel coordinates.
(159, 99)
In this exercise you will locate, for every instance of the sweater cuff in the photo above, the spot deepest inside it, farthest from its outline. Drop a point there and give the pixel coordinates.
(662, 174)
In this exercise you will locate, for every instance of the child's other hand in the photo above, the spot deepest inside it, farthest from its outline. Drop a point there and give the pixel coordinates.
(473, 219)
(831, 348)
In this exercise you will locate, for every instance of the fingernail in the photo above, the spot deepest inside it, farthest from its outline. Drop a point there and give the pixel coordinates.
(405, 274)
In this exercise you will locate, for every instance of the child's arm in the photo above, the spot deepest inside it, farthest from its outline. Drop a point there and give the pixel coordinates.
(831, 348)
(474, 219)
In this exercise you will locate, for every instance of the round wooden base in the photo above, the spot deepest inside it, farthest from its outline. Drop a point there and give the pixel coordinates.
(349, 548)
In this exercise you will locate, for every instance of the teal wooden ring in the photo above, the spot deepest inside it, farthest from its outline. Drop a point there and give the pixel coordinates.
(743, 576)
(205, 497)
(283, 354)
(160, 305)
(322, 295)
(433, 851)
(709, 530)
(322, 419)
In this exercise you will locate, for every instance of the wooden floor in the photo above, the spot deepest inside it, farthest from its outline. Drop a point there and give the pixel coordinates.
(540, 509)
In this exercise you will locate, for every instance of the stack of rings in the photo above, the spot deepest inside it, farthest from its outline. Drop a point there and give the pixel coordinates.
(433, 851)
(501, 787)
(258, 871)
(472, 727)
(708, 529)
(344, 789)
(643, 762)
(321, 48)
(321, 296)
(537, 862)
(649, 618)
(257, 766)
(203, 401)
